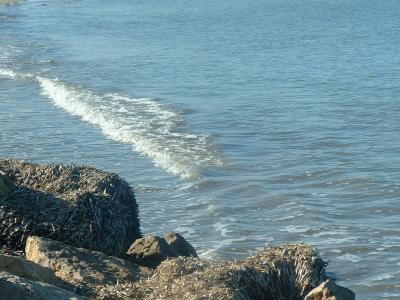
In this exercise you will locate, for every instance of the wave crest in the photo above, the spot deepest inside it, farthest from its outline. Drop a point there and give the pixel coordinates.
(151, 127)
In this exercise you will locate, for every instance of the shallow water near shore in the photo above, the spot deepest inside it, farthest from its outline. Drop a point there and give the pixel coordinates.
(238, 124)
(9, 2)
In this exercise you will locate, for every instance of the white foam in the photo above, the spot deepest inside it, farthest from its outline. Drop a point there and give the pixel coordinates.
(295, 229)
(349, 257)
(381, 277)
(335, 250)
(221, 228)
(10, 74)
(210, 254)
(214, 252)
(284, 218)
(329, 232)
(152, 128)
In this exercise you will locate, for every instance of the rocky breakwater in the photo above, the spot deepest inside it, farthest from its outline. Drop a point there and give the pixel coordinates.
(71, 232)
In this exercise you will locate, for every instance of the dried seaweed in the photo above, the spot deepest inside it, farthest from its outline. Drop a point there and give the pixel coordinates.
(77, 205)
(277, 273)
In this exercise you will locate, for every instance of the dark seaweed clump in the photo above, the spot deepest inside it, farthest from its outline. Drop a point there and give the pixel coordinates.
(76, 205)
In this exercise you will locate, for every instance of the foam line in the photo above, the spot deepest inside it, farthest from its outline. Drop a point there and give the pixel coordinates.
(151, 127)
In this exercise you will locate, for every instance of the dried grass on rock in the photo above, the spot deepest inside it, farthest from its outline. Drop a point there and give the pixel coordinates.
(76, 205)
(289, 271)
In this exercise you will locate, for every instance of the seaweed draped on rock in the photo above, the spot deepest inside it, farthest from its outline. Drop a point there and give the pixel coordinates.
(79, 206)
(289, 271)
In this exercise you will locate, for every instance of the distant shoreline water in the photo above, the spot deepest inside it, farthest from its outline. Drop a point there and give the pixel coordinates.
(10, 2)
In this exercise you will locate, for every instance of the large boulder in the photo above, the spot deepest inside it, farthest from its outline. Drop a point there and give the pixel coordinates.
(13, 287)
(82, 268)
(7, 186)
(329, 290)
(23, 268)
(79, 206)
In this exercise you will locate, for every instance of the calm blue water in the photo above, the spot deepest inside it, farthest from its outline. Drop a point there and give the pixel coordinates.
(239, 123)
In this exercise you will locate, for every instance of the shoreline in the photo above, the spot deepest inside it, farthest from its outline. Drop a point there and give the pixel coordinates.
(76, 230)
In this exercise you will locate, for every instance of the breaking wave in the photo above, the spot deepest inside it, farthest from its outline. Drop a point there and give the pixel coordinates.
(151, 127)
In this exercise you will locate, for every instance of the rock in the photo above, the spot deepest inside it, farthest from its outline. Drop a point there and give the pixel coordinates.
(7, 186)
(80, 267)
(329, 290)
(13, 287)
(179, 244)
(23, 268)
(78, 206)
(150, 251)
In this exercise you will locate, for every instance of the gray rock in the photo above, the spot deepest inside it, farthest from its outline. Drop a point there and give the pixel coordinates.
(13, 287)
(80, 267)
(150, 251)
(179, 244)
(7, 186)
(329, 290)
(23, 268)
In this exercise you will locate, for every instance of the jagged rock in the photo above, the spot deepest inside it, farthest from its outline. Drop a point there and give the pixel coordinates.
(13, 287)
(23, 268)
(80, 267)
(7, 186)
(79, 206)
(150, 251)
(179, 244)
(329, 290)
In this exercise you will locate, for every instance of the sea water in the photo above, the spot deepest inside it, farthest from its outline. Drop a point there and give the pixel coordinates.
(238, 123)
